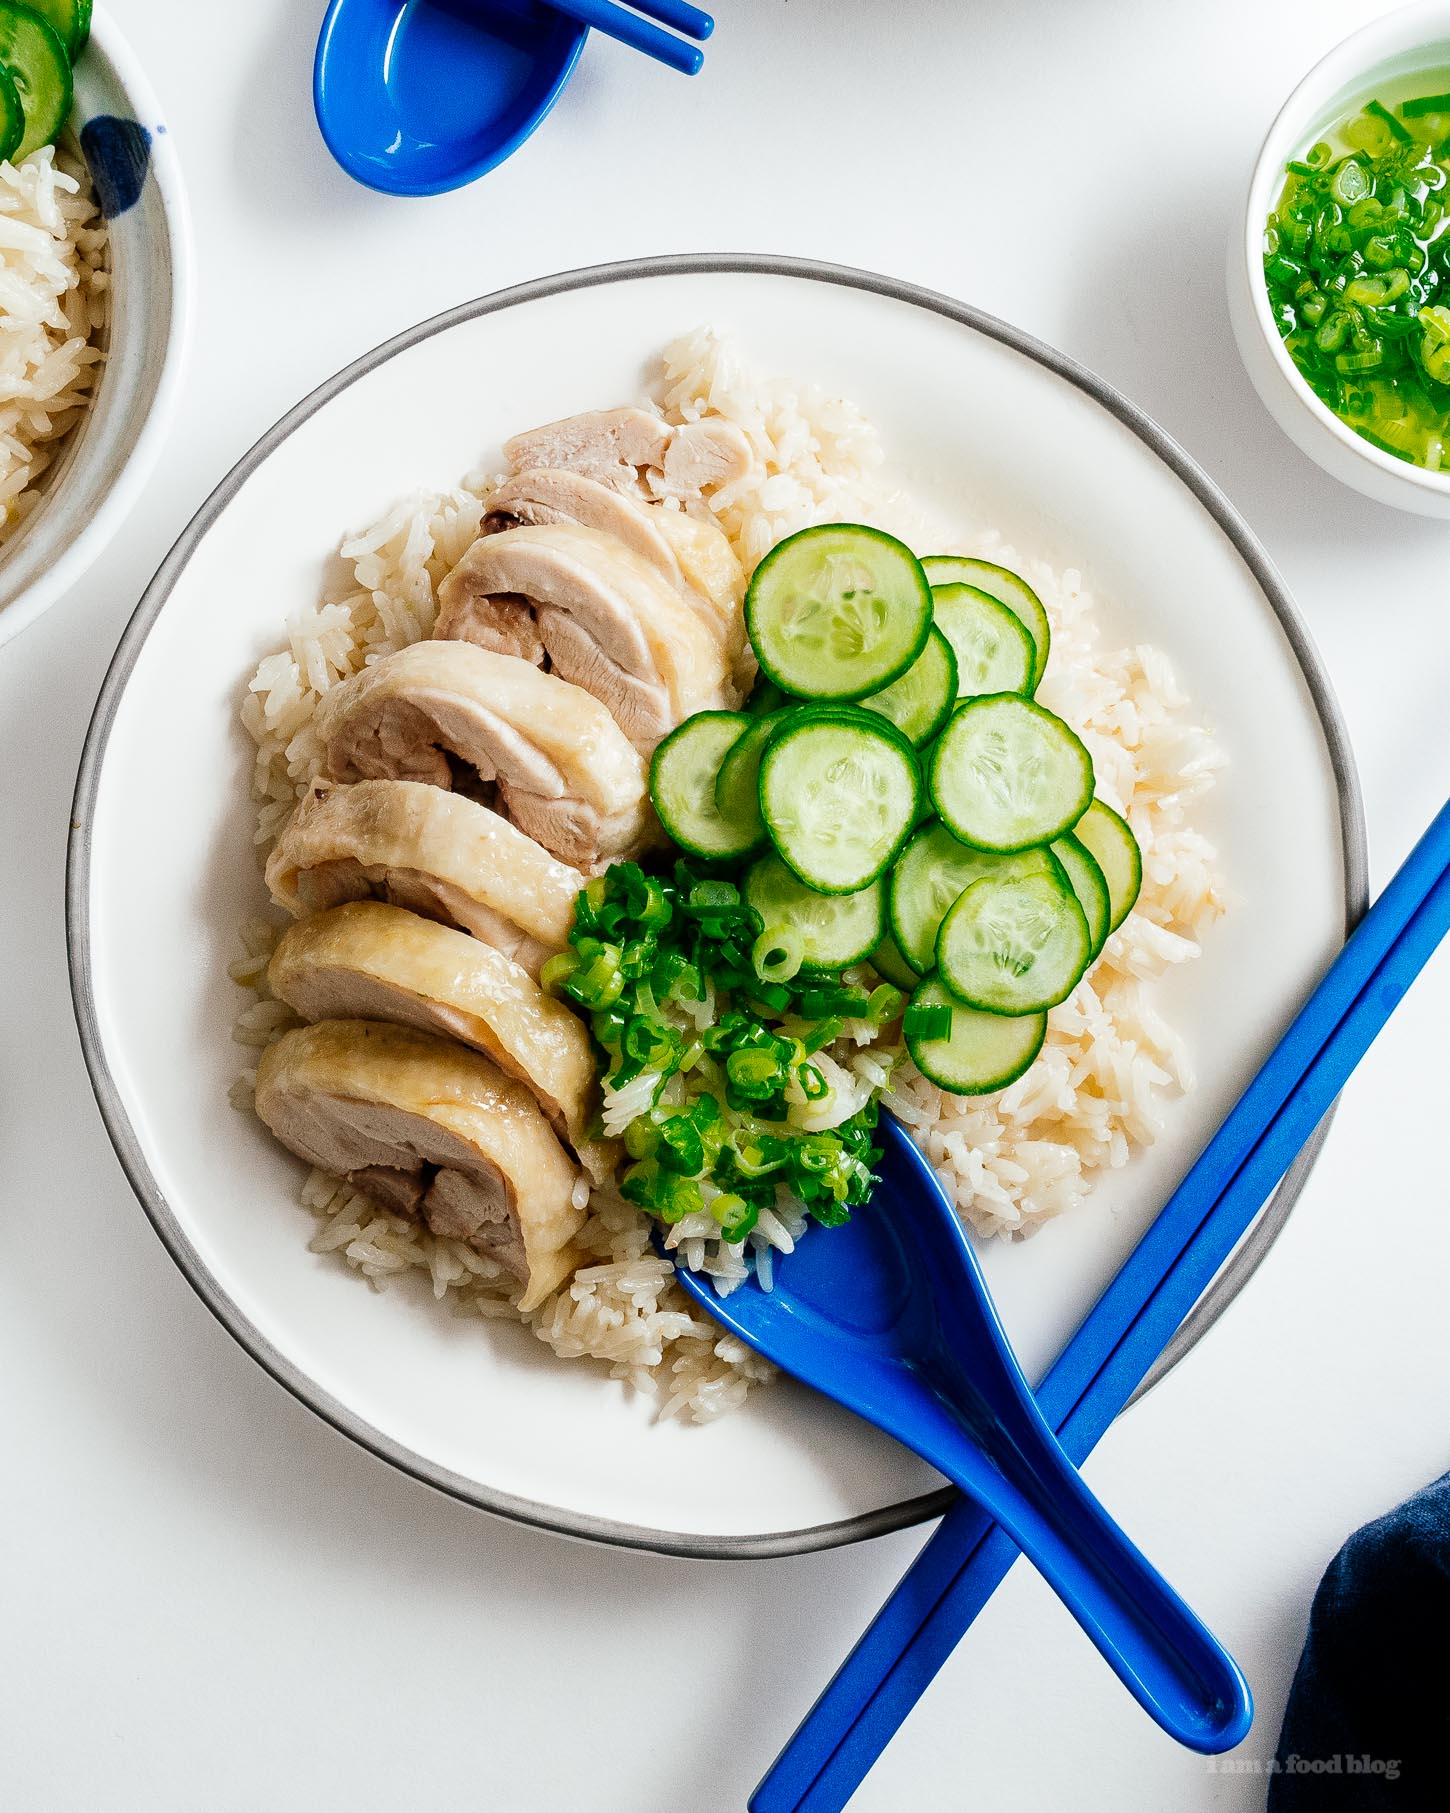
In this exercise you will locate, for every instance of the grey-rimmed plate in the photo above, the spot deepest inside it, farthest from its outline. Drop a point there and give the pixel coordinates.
(986, 424)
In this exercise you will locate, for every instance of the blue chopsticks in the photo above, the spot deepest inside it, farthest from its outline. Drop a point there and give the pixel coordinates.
(959, 1569)
(639, 34)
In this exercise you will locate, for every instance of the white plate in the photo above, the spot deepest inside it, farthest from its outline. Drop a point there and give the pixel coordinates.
(986, 423)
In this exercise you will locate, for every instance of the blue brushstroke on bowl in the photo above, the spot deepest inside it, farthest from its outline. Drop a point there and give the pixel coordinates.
(118, 153)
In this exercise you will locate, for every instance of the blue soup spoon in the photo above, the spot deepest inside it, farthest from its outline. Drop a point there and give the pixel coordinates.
(890, 1315)
(415, 97)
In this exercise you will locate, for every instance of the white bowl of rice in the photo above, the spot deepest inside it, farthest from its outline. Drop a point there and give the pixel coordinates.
(94, 302)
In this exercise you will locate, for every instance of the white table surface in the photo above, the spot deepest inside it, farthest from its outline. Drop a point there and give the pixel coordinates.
(209, 1599)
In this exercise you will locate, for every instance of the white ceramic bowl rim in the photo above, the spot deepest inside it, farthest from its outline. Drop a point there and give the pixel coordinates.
(80, 553)
(1215, 1299)
(1346, 69)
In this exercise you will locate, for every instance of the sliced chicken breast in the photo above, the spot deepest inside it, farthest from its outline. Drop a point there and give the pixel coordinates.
(431, 1130)
(370, 961)
(635, 450)
(545, 495)
(704, 455)
(715, 579)
(438, 853)
(605, 619)
(692, 555)
(563, 770)
(610, 445)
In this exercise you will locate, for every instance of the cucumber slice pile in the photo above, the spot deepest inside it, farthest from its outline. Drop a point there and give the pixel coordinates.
(37, 44)
(70, 20)
(12, 117)
(1014, 944)
(682, 780)
(918, 703)
(993, 651)
(985, 887)
(935, 870)
(837, 612)
(1007, 589)
(838, 792)
(737, 786)
(886, 959)
(1087, 882)
(1007, 775)
(1113, 847)
(964, 1050)
(834, 929)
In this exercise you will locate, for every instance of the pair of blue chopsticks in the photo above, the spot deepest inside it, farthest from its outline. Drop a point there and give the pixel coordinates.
(639, 34)
(960, 1568)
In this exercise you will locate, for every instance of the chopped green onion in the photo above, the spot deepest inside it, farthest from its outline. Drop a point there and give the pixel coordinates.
(680, 1146)
(823, 1033)
(736, 1216)
(884, 1004)
(816, 1003)
(641, 1137)
(1351, 181)
(1348, 364)
(756, 1074)
(646, 955)
(775, 995)
(1426, 103)
(814, 1086)
(557, 970)
(777, 953)
(1389, 122)
(925, 1021)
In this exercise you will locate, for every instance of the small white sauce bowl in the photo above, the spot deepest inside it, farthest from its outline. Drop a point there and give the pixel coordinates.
(1402, 44)
(114, 448)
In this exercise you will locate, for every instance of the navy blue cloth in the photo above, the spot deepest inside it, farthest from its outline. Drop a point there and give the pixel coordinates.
(1368, 1721)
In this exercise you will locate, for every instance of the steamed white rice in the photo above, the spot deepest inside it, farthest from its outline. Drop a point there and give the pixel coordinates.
(1111, 1062)
(53, 307)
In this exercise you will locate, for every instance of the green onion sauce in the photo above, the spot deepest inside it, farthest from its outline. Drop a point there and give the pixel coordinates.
(1357, 264)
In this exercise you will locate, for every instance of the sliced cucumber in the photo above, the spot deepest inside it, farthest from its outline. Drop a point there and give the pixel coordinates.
(70, 20)
(994, 653)
(1085, 875)
(838, 790)
(34, 59)
(682, 780)
(737, 786)
(834, 929)
(1006, 588)
(980, 1053)
(765, 697)
(891, 966)
(12, 118)
(837, 612)
(934, 871)
(1007, 775)
(1114, 849)
(1014, 944)
(918, 703)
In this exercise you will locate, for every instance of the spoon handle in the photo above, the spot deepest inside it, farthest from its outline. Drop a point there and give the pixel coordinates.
(616, 22)
(678, 15)
(1164, 1655)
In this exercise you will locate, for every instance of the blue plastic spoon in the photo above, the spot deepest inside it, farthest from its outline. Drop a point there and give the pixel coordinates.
(415, 97)
(890, 1316)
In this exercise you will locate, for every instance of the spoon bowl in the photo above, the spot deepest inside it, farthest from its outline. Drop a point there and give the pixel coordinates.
(890, 1316)
(416, 97)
